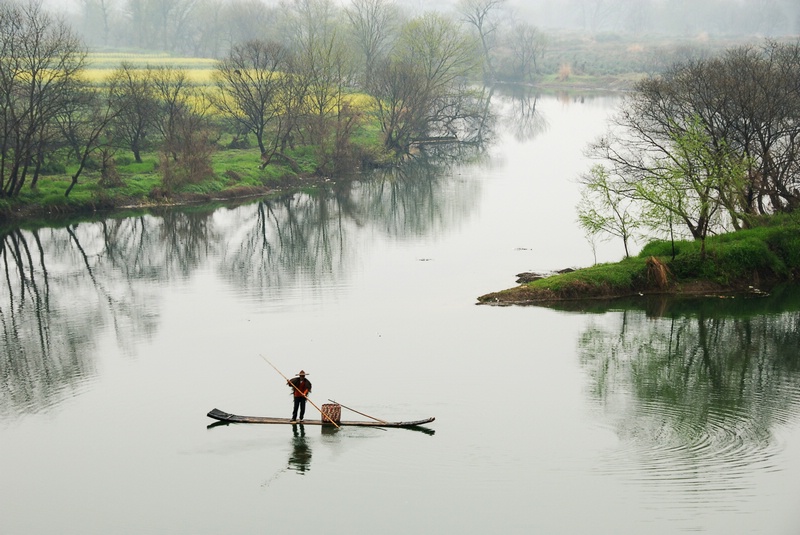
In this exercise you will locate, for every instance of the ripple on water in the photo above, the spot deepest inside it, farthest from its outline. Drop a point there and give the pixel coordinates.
(692, 460)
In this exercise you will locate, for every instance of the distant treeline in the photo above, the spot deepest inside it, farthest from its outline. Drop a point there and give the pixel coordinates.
(209, 28)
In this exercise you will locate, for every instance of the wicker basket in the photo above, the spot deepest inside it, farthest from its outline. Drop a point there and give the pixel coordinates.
(331, 411)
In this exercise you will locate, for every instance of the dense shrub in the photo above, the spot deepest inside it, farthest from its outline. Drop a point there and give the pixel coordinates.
(53, 167)
(742, 258)
(785, 243)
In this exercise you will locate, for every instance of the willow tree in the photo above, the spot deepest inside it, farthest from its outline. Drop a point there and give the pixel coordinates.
(421, 90)
(685, 177)
(605, 211)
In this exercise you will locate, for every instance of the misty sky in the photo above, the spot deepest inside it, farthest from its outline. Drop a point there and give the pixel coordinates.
(638, 18)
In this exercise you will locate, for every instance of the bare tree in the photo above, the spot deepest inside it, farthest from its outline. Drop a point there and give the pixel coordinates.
(527, 45)
(84, 122)
(482, 15)
(402, 101)
(249, 83)
(40, 60)
(374, 24)
(244, 20)
(186, 154)
(94, 15)
(596, 14)
(175, 98)
(761, 119)
(135, 106)
(162, 24)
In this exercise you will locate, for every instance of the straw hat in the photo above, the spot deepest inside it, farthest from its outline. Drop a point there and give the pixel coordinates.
(302, 373)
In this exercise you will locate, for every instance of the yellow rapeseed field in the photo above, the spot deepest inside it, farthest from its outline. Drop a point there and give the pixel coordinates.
(195, 76)
(100, 65)
(199, 71)
(112, 60)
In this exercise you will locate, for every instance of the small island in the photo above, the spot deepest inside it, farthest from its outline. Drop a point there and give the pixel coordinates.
(701, 153)
(750, 261)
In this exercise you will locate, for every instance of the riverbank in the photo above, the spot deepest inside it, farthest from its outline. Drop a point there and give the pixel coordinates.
(237, 176)
(747, 261)
(22, 213)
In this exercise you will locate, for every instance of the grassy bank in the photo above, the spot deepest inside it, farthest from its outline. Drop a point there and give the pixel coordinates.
(750, 260)
(237, 174)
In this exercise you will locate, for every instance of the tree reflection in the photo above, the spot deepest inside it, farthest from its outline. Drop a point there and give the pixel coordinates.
(521, 115)
(423, 198)
(294, 239)
(31, 327)
(311, 238)
(65, 287)
(698, 377)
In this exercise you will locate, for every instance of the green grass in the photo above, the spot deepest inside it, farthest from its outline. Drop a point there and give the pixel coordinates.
(236, 172)
(768, 253)
(599, 278)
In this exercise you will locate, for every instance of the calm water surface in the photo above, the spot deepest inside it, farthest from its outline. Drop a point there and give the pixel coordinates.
(118, 336)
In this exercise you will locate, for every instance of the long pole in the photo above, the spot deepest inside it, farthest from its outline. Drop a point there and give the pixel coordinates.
(361, 413)
(301, 392)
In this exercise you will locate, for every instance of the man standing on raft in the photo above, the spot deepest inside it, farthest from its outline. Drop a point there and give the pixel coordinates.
(301, 387)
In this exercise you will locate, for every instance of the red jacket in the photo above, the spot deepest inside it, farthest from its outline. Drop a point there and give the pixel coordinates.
(300, 384)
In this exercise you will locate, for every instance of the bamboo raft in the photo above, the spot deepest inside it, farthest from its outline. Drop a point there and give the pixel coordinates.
(234, 418)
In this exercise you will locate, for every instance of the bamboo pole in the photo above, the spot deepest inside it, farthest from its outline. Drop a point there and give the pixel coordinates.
(301, 393)
(361, 413)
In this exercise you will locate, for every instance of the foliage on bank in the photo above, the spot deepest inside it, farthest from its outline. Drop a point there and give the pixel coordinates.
(749, 260)
(236, 174)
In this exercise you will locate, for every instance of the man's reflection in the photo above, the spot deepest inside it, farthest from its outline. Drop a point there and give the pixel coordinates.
(300, 458)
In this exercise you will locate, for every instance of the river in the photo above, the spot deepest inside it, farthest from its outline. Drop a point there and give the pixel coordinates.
(120, 334)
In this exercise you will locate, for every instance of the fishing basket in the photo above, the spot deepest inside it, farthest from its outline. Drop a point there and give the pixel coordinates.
(331, 411)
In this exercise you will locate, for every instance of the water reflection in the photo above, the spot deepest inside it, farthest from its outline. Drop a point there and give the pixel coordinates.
(522, 116)
(518, 109)
(60, 290)
(300, 457)
(697, 391)
(64, 287)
